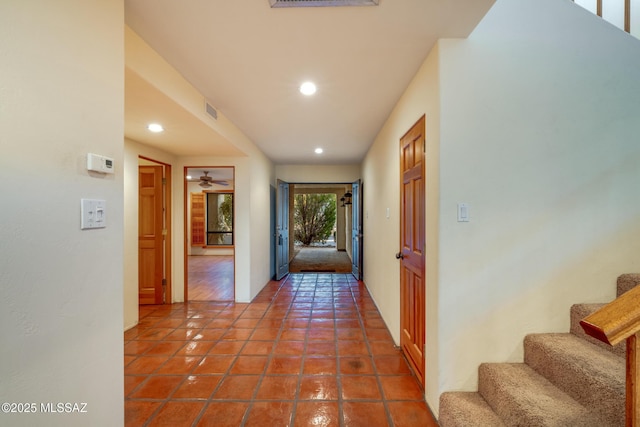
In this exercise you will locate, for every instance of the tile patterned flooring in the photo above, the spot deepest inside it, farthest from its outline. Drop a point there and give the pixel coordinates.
(310, 350)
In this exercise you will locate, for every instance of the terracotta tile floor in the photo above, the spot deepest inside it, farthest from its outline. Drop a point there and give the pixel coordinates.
(311, 350)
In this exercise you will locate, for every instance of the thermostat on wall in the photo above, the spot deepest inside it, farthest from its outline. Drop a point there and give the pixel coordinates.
(99, 163)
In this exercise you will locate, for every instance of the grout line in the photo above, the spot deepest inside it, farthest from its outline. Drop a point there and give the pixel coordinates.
(309, 293)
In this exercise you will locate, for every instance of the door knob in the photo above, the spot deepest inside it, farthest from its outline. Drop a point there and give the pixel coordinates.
(399, 255)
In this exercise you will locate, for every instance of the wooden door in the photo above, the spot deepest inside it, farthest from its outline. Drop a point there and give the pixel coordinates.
(356, 229)
(412, 239)
(282, 230)
(150, 235)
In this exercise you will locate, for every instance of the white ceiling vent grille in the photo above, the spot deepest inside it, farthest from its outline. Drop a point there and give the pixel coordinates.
(320, 3)
(210, 110)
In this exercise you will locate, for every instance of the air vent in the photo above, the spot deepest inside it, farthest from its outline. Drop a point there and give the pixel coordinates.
(210, 110)
(321, 3)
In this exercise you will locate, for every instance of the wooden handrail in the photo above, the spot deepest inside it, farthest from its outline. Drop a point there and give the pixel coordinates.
(627, 13)
(617, 321)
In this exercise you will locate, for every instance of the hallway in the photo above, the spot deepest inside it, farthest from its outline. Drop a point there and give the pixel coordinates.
(311, 349)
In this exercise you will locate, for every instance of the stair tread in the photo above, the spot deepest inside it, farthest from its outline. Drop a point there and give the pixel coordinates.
(466, 409)
(593, 376)
(582, 355)
(567, 380)
(627, 282)
(520, 396)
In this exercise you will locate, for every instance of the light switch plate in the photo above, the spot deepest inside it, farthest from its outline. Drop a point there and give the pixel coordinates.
(463, 212)
(93, 213)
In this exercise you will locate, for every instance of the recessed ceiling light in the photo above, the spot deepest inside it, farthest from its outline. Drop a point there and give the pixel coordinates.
(155, 127)
(188, 176)
(308, 88)
(319, 150)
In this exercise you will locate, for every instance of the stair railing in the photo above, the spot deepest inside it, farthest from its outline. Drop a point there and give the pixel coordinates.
(627, 13)
(617, 321)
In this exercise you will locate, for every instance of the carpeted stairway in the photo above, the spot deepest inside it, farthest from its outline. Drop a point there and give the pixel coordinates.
(567, 379)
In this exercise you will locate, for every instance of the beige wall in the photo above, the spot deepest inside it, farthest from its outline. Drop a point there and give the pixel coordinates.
(132, 151)
(252, 215)
(381, 178)
(61, 307)
(535, 130)
(253, 176)
(318, 173)
(541, 141)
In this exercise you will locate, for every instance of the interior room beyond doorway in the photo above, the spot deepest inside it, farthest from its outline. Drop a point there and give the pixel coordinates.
(209, 246)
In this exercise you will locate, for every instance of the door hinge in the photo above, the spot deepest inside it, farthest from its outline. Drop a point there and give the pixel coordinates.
(164, 231)
(164, 181)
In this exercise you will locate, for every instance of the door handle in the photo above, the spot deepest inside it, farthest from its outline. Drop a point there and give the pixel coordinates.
(399, 255)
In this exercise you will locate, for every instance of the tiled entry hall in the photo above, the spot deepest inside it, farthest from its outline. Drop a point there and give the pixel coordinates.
(311, 350)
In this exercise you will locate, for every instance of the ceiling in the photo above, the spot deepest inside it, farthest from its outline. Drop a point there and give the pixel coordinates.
(248, 60)
(216, 173)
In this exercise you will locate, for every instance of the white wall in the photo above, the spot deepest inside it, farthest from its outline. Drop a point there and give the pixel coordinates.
(62, 96)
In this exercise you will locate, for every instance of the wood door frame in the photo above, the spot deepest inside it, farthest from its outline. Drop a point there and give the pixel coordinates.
(186, 201)
(168, 221)
(421, 123)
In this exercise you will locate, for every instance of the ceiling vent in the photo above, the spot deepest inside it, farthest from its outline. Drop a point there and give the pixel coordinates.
(321, 3)
(210, 110)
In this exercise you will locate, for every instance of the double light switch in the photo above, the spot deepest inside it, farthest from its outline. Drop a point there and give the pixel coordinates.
(93, 213)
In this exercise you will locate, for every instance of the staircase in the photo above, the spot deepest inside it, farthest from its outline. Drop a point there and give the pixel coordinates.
(621, 13)
(567, 379)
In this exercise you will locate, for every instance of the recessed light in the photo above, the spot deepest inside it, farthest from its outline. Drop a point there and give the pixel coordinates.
(308, 88)
(155, 127)
(188, 176)
(319, 150)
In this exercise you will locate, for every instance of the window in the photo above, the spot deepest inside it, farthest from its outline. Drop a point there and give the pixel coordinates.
(219, 219)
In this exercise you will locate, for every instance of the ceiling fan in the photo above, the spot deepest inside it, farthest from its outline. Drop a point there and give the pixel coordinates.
(206, 181)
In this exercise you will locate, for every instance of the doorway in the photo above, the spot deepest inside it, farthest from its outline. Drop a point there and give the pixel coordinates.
(313, 247)
(411, 255)
(154, 232)
(209, 233)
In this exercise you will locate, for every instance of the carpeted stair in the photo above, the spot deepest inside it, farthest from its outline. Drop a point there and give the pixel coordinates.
(567, 379)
